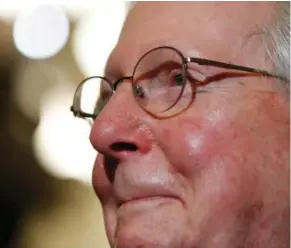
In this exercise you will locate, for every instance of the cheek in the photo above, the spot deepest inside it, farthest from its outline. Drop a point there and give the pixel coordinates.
(192, 144)
(211, 154)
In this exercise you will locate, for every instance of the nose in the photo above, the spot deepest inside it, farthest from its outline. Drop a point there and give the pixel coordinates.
(121, 131)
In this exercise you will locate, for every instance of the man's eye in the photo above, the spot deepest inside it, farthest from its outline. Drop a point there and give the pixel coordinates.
(176, 78)
(179, 79)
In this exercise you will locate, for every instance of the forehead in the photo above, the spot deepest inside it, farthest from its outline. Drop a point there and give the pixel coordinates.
(214, 30)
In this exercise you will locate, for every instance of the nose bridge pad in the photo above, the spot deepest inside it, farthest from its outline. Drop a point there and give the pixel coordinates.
(119, 81)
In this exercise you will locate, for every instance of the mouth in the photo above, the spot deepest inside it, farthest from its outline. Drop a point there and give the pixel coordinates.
(145, 188)
(147, 201)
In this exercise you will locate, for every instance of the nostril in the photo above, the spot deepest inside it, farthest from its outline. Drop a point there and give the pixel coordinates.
(123, 146)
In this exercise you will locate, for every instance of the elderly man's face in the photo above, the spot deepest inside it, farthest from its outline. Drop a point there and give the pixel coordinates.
(217, 175)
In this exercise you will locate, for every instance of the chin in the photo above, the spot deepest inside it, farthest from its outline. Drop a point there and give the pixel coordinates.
(163, 225)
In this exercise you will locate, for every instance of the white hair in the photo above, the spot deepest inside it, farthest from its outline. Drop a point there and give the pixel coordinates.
(276, 38)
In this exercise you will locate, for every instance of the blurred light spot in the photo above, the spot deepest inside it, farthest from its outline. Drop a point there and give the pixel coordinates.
(61, 142)
(9, 9)
(41, 32)
(96, 35)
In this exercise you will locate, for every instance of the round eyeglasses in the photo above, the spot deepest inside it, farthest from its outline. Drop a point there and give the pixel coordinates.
(161, 83)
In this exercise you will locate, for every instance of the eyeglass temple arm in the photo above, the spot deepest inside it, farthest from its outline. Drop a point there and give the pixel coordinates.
(232, 66)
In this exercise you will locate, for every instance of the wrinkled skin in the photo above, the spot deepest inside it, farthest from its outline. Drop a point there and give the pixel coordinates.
(217, 175)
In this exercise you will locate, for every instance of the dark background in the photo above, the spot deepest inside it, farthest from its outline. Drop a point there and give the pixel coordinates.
(37, 209)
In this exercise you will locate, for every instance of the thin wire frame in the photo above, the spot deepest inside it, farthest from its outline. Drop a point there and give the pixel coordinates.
(184, 69)
(75, 108)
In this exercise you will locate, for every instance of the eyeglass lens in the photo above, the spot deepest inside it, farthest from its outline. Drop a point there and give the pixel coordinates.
(94, 93)
(161, 77)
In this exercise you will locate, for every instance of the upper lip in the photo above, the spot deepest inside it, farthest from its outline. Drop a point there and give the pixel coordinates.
(145, 192)
(135, 184)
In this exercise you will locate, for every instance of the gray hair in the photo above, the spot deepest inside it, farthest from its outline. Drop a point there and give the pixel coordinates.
(276, 38)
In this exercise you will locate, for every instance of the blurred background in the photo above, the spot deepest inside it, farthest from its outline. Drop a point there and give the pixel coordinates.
(46, 49)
